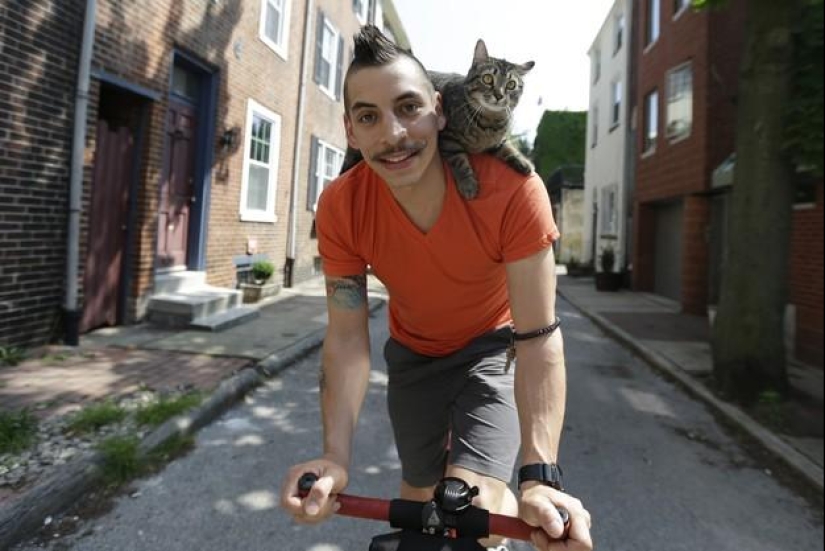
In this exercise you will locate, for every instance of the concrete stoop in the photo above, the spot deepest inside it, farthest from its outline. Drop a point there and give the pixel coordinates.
(183, 300)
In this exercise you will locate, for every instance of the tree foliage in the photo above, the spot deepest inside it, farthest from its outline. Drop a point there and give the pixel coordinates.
(560, 140)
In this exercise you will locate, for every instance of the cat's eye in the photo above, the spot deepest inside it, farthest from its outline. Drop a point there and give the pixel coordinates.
(512, 85)
(488, 80)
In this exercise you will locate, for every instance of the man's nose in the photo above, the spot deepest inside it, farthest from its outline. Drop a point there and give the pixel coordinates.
(395, 131)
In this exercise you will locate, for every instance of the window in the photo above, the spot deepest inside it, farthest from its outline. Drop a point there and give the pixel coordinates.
(651, 122)
(260, 170)
(652, 29)
(594, 136)
(329, 58)
(618, 37)
(609, 211)
(275, 24)
(597, 65)
(616, 103)
(679, 6)
(324, 165)
(360, 7)
(679, 101)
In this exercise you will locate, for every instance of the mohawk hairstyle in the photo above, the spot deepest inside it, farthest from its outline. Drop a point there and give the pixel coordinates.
(371, 48)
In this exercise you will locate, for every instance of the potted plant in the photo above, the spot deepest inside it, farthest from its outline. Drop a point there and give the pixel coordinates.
(607, 279)
(260, 287)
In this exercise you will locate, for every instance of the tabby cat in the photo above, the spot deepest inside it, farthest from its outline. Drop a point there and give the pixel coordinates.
(479, 109)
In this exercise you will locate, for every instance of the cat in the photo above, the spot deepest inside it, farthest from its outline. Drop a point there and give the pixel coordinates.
(479, 110)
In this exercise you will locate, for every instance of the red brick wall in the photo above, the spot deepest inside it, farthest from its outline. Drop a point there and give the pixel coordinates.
(806, 280)
(695, 255)
(38, 57)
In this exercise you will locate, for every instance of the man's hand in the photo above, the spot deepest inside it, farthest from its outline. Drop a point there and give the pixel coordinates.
(320, 504)
(537, 508)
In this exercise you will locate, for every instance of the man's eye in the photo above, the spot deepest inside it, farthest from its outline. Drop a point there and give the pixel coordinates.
(410, 108)
(366, 118)
(487, 79)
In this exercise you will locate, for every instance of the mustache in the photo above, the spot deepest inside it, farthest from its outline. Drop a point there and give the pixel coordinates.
(409, 147)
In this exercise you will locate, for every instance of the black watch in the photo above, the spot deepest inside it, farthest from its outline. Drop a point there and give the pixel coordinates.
(549, 475)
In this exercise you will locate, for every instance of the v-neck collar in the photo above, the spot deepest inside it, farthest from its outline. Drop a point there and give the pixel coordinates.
(404, 220)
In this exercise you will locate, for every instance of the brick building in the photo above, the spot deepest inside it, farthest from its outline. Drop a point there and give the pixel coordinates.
(212, 126)
(686, 66)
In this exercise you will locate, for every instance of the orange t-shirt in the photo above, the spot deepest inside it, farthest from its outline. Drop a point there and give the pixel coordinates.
(449, 285)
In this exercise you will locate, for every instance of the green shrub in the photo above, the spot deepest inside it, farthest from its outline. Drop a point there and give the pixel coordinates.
(10, 355)
(120, 458)
(262, 270)
(158, 412)
(17, 431)
(96, 416)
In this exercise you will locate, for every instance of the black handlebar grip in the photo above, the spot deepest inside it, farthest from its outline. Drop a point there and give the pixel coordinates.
(306, 482)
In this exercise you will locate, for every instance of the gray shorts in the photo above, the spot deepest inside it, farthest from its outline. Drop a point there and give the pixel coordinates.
(464, 401)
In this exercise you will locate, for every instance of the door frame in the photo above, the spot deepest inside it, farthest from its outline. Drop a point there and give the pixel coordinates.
(206, 109)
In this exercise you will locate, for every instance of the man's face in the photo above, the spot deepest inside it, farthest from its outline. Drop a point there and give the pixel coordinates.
(393, 118)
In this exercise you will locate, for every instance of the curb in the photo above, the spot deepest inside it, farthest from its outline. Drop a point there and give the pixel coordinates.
(71, 482)
(772, 443)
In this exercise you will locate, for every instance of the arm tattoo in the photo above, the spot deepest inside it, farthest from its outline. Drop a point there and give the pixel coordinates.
(348, 292)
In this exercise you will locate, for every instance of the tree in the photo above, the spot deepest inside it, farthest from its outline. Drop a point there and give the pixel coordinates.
(560, 140)
(748, 335)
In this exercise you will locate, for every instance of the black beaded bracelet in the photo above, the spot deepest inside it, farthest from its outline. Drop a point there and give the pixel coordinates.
(538, 332)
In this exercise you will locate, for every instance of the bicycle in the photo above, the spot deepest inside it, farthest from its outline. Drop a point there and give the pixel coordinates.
(448, 522)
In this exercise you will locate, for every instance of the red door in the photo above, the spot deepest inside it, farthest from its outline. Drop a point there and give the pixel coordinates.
(177, 186)
(107, 225)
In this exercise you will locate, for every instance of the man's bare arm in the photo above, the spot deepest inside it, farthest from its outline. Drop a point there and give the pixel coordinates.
(345, 363)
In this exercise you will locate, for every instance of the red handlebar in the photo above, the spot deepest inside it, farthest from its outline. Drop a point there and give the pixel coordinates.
(379, 509)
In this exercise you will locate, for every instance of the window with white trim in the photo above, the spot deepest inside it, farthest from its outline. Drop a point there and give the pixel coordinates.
(652, 26)
(260, 168)
(609, 211)
(325, 164)
(597, 65)
(679, 101)
(361, 9)
(594, 136)
(618, 35)
(615, 103)
(274, 28)
(679, 6)
(329, 57)
(651, 122)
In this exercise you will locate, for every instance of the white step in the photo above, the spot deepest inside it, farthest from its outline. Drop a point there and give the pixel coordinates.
(173, 282)
(225, 320)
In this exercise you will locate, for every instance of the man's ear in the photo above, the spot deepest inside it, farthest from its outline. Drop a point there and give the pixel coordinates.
(350, 136)
(439, 111)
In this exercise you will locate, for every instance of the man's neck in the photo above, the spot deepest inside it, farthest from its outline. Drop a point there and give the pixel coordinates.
(422, 202)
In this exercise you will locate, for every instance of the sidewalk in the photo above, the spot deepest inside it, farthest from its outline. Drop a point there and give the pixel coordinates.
(678, 345)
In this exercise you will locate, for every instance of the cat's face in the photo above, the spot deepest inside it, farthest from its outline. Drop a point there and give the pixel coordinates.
(495, 84)
(393, 118)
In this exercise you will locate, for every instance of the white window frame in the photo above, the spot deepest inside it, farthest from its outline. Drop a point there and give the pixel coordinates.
(648, 143)
(609, 210)
(653, 22)
(594, 127)
(363, 14)
(615, 103)
(329, 87)
(321, 177)
(597, 65)
(678, 135)
(254, 108)
(281, 48)
(619, 31)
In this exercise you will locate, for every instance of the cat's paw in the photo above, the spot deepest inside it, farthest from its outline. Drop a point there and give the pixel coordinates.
(467, 187)
(522, 166)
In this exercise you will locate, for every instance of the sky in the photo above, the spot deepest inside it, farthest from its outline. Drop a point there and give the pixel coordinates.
(556, 34)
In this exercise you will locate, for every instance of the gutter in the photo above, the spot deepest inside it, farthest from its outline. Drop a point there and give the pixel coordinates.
(292, 231)
(71, 313)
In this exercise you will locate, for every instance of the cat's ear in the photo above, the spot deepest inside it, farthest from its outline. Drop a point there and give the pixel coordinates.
(524, 68)
(481, 52)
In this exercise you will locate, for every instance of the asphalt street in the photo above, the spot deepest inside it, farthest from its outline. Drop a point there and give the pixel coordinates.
(653, 466)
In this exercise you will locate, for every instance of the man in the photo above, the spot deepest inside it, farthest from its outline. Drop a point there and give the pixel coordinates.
(459, 275)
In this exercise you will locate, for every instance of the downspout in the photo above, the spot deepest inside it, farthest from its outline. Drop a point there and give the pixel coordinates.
(292, 237)
(71, 313)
